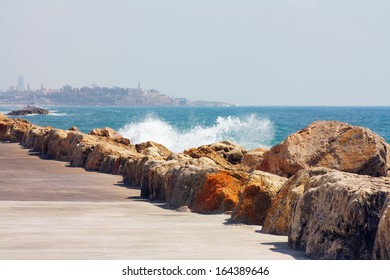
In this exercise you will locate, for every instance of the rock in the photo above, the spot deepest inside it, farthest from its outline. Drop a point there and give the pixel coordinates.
(226, 154)
(254, 158)
(73, 128)
(220, 193)
(338, 213)
(256, 197)
(382, 240)
(111, 134)
(13, 129)
(153, 149)
(29, 110)
(329, 144)
(5, 124)
(185, 180)
(18, 129)
(156, 187)
(36, 138)
(279, 215)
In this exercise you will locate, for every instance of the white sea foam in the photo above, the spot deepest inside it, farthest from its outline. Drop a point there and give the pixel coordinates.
(57, 114)
(249, 131)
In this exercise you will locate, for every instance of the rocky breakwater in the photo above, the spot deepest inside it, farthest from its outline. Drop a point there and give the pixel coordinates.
(29, 110)
(304, 187)
(329, 213)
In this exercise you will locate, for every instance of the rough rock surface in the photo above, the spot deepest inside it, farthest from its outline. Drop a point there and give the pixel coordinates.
(110, 133)
(256, 197)
(226, 154)
(153, 149)
(184, 181)
(254, 158)
(337, 213)
(382, 241)
(73, 128)
(279, 215)
(220, 193)
(329, 144)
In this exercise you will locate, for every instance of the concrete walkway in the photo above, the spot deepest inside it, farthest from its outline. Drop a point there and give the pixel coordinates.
(51, 211)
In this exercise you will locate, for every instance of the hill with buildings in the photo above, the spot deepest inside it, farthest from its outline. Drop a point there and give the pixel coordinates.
(96, 96)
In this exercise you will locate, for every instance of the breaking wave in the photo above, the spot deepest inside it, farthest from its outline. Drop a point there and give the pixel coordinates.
(57, 114)
(248, 131)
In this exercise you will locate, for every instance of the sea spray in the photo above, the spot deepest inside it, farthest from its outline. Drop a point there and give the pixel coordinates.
(248, 131)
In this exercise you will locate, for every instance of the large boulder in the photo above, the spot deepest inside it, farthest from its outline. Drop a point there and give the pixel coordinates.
(36, 138)
(226, 154)
(111, 134)
(336, 214)
(185, 180)
(254, 158)
(153, 149)
(382, 241)
(256, 197)
(220, 193)
(5, 124)
(329, 144)
(17, 129)
(279, 215)
(107, 158)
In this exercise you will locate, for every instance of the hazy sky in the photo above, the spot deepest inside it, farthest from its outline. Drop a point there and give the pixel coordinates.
(286, 52)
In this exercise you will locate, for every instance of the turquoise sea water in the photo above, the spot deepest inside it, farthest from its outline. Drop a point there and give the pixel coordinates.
(182, 127)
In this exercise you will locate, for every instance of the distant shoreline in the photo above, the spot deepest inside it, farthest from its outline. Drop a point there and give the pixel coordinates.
(189, 106)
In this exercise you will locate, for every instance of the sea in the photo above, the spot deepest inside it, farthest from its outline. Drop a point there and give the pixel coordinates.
(180, 128)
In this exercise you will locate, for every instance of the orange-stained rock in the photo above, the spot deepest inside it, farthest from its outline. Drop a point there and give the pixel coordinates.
(256, 197)
(329, 144)
(220, 193)
(185, 180)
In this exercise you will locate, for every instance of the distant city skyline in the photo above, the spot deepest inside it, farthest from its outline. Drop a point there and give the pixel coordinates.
(250, 52)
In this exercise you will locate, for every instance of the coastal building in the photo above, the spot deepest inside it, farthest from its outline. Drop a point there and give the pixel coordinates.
(20, 83)
(182, 101)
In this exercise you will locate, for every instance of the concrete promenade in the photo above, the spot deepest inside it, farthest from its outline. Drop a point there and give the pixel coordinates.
(51, 211)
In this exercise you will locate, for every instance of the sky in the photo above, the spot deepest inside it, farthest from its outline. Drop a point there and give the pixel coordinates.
(245, 52)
